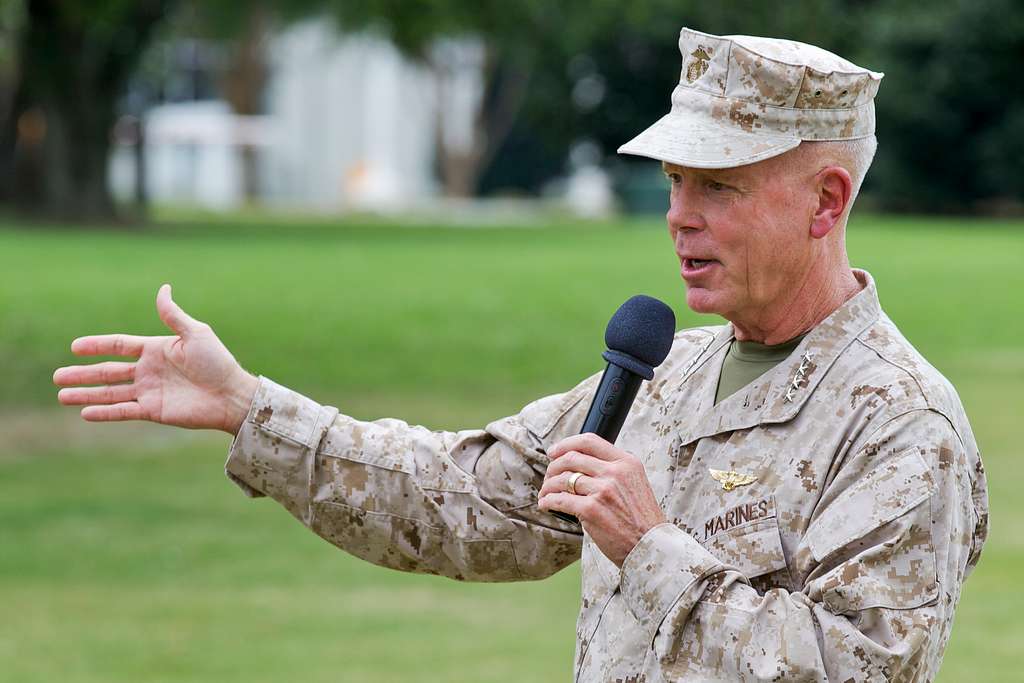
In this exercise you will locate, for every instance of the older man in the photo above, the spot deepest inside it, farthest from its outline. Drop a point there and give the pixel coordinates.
(796, 495)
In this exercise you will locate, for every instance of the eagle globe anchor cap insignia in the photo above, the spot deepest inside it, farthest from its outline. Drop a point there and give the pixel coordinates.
(730, 479)
(699, 64)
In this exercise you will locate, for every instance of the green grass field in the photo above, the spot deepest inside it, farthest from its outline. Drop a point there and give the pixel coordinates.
(126, 556)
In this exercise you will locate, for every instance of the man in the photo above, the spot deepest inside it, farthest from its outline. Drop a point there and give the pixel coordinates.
(796, 495)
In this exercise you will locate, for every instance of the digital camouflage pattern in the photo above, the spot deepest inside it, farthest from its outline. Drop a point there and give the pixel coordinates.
(742, 99)
(836, 549)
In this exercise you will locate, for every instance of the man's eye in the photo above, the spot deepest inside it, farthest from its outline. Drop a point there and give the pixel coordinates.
(716, 186)
(674, 178)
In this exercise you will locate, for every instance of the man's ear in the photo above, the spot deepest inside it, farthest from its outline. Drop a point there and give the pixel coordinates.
(835, 187)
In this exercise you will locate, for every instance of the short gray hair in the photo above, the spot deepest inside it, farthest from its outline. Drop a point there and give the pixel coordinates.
(853, 155)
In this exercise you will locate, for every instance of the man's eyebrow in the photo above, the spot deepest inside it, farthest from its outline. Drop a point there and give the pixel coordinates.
(726, 175)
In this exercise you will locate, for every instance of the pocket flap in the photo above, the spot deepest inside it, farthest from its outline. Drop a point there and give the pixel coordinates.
(754, 549)
(882, 495)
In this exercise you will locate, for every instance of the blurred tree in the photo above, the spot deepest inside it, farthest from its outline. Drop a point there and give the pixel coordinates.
(72, 60)
(950, 114)
(594, 69)
(497, 39)
(951, 107)
(244, 29)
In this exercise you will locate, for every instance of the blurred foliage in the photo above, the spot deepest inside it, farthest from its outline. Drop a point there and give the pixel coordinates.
(71, 61)
(950, 110)
(951, 107)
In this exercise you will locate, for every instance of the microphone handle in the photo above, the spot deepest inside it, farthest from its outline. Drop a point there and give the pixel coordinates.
(608, 410)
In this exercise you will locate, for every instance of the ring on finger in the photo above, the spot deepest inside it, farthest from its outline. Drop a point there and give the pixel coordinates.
(571, 487)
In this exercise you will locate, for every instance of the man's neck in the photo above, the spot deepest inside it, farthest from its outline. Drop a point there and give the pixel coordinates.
(812, 302)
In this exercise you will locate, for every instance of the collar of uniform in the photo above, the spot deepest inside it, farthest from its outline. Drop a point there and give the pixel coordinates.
(790, 383)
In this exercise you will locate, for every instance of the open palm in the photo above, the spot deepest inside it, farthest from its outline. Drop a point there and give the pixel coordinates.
(188, 379)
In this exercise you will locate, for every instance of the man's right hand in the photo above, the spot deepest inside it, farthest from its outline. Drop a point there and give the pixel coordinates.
(188, 380)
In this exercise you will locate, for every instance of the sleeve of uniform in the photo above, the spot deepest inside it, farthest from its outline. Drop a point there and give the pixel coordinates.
(460, 504)
(878, 572)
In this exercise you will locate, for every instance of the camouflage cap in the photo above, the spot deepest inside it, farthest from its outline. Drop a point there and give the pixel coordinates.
(741, 99)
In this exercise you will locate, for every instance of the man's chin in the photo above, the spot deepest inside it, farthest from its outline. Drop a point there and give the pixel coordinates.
(701, 300)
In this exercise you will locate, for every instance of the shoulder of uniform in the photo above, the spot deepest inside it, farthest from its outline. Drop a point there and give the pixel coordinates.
(903, 372)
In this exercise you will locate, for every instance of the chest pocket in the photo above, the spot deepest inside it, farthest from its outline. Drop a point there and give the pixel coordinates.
(753, 547)
(873, 544)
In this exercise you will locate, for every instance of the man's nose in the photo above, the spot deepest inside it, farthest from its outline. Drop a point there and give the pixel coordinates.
(684, 210)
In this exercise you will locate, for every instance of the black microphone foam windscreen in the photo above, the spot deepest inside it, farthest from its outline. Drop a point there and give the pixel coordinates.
(642, 328)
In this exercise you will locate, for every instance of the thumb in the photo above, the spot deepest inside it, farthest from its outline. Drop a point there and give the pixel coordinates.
(171, 313)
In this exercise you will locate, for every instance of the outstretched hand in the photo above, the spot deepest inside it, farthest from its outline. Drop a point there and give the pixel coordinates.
(188, 379)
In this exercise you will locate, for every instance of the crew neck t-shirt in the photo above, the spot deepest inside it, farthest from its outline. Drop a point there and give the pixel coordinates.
(748, 360)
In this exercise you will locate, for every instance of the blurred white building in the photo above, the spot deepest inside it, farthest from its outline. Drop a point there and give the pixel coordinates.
(351, 124)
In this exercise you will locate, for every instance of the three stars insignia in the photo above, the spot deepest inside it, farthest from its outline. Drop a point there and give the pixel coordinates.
(800, 377)
(730, 479)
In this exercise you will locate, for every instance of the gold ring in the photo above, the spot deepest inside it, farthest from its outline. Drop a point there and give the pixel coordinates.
(571, 488)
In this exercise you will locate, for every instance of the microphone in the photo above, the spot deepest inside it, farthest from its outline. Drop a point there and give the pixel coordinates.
(638, 337)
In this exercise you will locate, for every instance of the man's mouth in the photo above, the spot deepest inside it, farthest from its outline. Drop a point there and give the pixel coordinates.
(696, 266)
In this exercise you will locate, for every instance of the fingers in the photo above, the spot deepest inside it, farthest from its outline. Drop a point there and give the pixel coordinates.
(560, 484)
(117, 393)
(581, 507)
(115, 413)
(574, 461)
(591, 444)
(172, 314)
(109, 345)
(109, 372)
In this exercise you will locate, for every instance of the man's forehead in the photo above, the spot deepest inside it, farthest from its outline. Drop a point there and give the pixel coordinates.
(735, 172)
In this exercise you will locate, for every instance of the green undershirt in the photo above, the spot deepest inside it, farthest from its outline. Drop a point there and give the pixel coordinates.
(747, 360)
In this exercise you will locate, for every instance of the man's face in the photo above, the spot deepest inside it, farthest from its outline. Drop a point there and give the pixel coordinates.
(742, 235)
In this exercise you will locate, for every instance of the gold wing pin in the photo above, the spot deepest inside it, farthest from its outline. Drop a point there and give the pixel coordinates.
(730, 479)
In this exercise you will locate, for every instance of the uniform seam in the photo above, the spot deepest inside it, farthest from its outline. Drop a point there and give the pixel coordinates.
(443, 529)
(337, 454)
(291, 437)
(909, 411)
(912, 375)
(375, 513)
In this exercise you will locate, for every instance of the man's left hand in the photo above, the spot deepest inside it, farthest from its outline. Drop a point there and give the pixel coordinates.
(613, 500)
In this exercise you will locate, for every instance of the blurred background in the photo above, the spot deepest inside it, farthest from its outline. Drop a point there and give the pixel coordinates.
(410, 209)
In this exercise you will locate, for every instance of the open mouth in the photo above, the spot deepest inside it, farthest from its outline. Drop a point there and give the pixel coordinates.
(695, 266)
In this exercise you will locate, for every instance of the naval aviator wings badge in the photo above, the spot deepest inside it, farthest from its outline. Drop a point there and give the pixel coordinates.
(730, 479)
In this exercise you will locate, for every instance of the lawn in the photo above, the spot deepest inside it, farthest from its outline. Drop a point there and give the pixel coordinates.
(126, 556)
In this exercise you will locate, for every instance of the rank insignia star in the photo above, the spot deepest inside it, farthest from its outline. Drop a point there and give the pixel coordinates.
(730, 479)
(800, 377)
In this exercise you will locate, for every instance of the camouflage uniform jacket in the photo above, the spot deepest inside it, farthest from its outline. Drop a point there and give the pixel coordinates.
(842, 559)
